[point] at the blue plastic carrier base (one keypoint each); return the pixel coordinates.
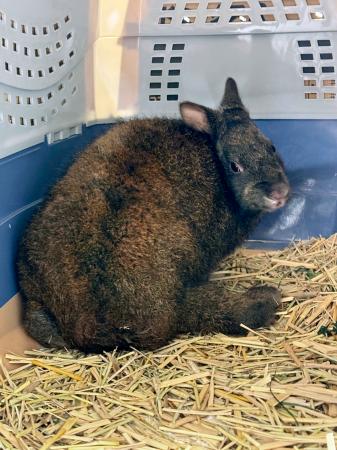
(308, 147)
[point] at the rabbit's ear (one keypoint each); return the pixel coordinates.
(231, 98)
(198, 117)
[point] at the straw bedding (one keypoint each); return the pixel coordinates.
(274, 389)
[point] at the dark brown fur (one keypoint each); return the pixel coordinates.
(121, 252)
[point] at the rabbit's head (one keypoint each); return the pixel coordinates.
(253, 169)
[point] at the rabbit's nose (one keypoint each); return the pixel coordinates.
(280, 191)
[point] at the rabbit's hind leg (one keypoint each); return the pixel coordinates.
(41, 325)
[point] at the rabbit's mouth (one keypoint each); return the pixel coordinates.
(272, 204)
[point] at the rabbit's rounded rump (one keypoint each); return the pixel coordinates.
(121, 251)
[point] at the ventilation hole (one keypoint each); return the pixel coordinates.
(307, 56)
(191, 6)
(158, 59)
(26, 51)
(22, 121)
(154, 98)
(159, 47)
(212, 19)
(71, 54)
(39, 100)
(29, 100)
(213, 5)
(61, 62)
(4, 42)
(324, 42)
(66, 19)
(56, 26)
(266, 4)
(156, 73)
(289, 2)
(15, 47)
(239, 5)
(6, 97)
(34, 31)
(18, 71)
(155, 85)
(188, 19)
(50, 95)
(165, 20)
(64, 101)
(328, 69)
(330, 95)
(74, 89)
(308, 69)
(329, 82)
(70, 75)
(37, 52)
(268, 17)
(51, 69)
(58, 45)
(40, 73)
(176, 59)
(32, 122)
(45, 30)
(69, 35)
(240, 19)
(178, 46)
(14, 24)
(8, 67)
(173, 85)
(309, 82)
(313, 2)
(292, 16)
(48, 50)
(18, 100)
(60, 87)
(2, 16)
(10, 119)
(24, 29)
(317, 15)
(174, 72)
(172, 97)
(310, 95)
(169, 7)
(326, 55)
(304, 43)
(53, 111)
(29, 73)
(43, 119)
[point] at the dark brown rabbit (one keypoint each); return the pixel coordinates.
(121, 252)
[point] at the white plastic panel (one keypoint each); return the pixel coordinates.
(44, 80)
(209, 17)
(279, 75)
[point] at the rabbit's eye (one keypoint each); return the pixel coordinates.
(235, 167)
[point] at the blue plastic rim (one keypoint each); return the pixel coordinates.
(308, 148)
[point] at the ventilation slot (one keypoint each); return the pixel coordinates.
(212, 19)
(213, 5)
(318, 15)
(310, 95)
(169, 7)
(240, 19)
(190, 19)
(330, 95)
(191, 6)
(310, 83)
(239, 5)
(165, 20)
